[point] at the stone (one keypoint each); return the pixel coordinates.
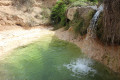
(71, 12)
(83, 11)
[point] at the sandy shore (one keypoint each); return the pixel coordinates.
(18, 36)
(11, 39)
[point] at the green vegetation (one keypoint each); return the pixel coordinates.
(78, 3)
(81, 23)
(59, 19)
(58, 13)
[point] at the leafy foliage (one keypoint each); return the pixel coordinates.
(58, 13)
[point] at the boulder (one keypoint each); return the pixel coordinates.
(86, 12)
(80, 18)
(71, 12)
(83, 12)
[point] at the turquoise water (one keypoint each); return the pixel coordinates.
(52, 59)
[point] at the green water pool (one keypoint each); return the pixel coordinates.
(52, 59)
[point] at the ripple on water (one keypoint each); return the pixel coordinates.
(81, 67)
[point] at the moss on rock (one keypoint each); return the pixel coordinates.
(81, 20)
(59, 17)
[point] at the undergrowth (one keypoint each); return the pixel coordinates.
(58, 16)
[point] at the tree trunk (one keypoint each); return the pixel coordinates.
(112, 21)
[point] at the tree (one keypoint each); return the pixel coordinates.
(112, 21)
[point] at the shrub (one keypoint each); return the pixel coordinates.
(58, 16)
(78, 3)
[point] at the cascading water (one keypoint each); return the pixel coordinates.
(91, 31)
(92, 27)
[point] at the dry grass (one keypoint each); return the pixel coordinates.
(23, 3)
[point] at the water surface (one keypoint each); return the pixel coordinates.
(52, 59)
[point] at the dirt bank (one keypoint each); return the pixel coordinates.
(108, 55)
(13, 24)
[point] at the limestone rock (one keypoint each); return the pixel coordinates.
(71, 12)
(83, 11)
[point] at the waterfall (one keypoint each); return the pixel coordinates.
(92, 27)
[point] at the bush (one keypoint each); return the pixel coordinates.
(78, 3)
(58, 16)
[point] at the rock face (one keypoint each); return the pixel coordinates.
(25, 12)
(83, 12)
(5, 3)
(48, 3)
(80, 18)
(71, 12)
(9, 20)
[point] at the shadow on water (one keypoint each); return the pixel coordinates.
(52, 59)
